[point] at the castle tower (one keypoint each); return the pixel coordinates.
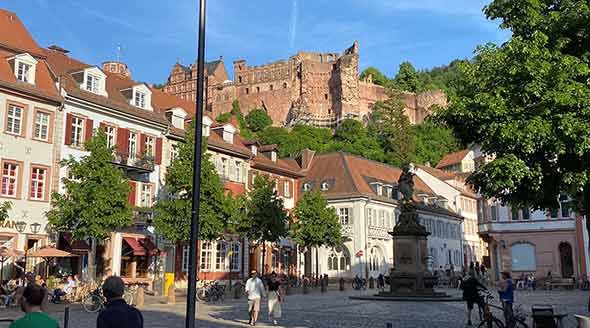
(116, 67)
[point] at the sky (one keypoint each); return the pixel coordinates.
(153, 35)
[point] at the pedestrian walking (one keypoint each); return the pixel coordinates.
(255, 290)
(471, 287)
(381, 282)
(30, 302)
(506, 291)
(275, 298)
(117, 314)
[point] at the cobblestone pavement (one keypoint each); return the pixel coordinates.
(333, 309)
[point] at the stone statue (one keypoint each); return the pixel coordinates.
(406, 183)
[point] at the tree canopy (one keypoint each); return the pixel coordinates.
(407, 78)
(432, 142)
(376, 75)
(526, 102)
(258, 120)
(173, 213)
(95, 201)
(4, 208)
(317, 223)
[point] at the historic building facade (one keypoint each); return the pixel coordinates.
(29, 152)
(318, 89)
(365, 196)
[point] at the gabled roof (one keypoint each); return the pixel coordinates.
(446, 177)
(14, 34)
(211, 66)
(266, 148)
(453, 158)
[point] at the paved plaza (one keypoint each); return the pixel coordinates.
(332, 309)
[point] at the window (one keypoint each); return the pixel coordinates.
(92, 83)
(258, 89)
(77, 131)
(149, 146)
(234, 257)
(247, 91)
(38, 182)
(523, 257)
(271, 87)
(370, 217)
(381, 218)
(111, 135)
(139, 99)
(238, 170)
(185, 255)
(223, 168)
(220, 256)
(273, 156)
(14, 119)
(514, 214)
(284, 85)
(9, 179)
(146, 195)
(344, 214)
(42, 126)
(132, 145)
(206, 256)
(287, 188)
(24, 72)
(324, 186)
(325, 96)
(306, 186)
(379, 190)
(494, 210)
(565, 207)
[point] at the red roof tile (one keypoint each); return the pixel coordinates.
(14, 34)
(453, 158)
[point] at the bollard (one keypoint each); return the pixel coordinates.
(389, 325)
(171, 295)
(371, 283)
(139, 298)
(341, 283)
(238, 290)
(67, 316)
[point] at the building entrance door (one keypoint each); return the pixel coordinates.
(567, 262)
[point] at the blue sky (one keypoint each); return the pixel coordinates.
(156, 34)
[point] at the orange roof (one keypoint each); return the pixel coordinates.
(14, 34)
(453, 158)
(440, 174)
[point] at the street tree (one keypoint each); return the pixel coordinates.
(95, 201)
(266, 218)
(527, 103)
(172, 216)
(316, 224)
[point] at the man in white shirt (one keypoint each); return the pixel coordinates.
(256, 291)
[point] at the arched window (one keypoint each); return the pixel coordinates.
(523, 257)
(374, 259)
(339, 260)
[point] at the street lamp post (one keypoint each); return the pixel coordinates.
(20, 227)
(194, 237)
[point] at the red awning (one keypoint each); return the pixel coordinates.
(138, 250)
(150, 247)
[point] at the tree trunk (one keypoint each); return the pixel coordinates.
(263, 258)
(317, 266)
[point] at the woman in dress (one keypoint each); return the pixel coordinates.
(275, 297)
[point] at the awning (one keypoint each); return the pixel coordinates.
(50, 252)
(80, 247)
(150, 247)
(138, 250)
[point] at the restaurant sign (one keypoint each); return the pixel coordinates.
(8, 224)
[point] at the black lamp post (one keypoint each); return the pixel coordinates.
(194, 237)
(20, 227)
(35, 227)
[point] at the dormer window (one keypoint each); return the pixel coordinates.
(23, 72)
(273, 156)
(139, 99)
(307, 186)
(228, 133)
(24, 68)
(379, 190)
(324, 186)
(388, 191)
(92, 83)
(206, 126)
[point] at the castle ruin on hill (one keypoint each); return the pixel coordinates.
(318, 89)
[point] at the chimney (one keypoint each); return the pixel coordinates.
(58, 49)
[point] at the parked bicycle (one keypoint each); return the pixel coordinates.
(211, 292)
(518, 319)
(95, 301)
(358, 284)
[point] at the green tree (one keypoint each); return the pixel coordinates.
(223, 118)
(406, 78)
(376, 75)
(258, 120)
(392, 127)
(95, 201)
(266, 216)
(527, 103)
(349, 130)
(316, 224)
(352, 137)
(173, 213)
(4, 208)
(433, 141)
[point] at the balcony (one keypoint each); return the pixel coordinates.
(526, 226)
(346, 230)
(140, 163)
(143, 216)
(379, 232)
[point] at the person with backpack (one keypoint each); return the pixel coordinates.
(471, 287)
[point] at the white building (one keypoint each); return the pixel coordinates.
(365, 196)
(29, 121)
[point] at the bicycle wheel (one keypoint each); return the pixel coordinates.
(493, 323)
(202, 294)
(128, 297)
(92, 303)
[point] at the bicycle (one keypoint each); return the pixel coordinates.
(211, 292)
(490, 321)
(94, 302)
(360, 284)
(129, 295)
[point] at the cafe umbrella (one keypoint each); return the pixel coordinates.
(5, 254)
(49, 253)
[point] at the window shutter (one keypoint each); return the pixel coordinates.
(250, 178)
(232, 170)
(158, 159)
(89, 124)
(132, 193)
(142, 139)
(280, 187)
(68, 134)
(122, 141)
(244, 172)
